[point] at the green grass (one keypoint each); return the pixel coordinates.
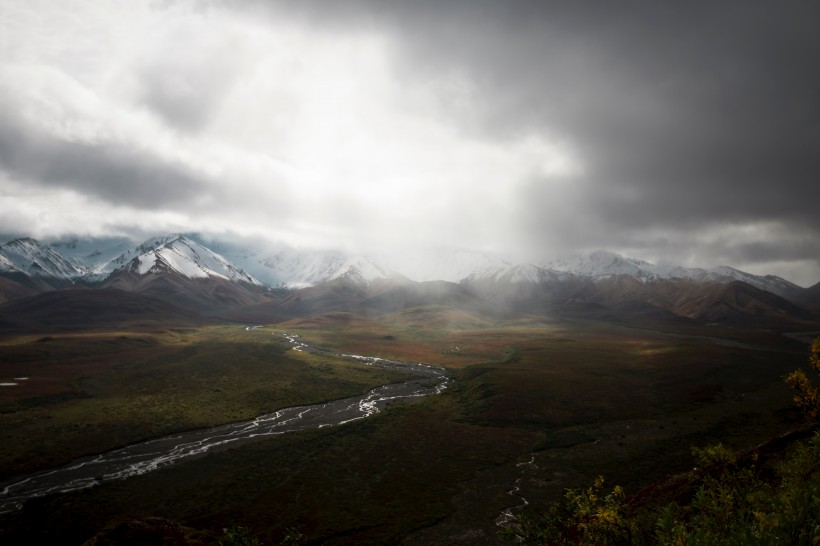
(101, 392)
(629, 401)
(367, 482)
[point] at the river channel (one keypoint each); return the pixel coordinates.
(143, 457)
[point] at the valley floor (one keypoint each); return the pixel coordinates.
(535, 404)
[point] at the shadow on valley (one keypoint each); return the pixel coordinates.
(545, 395)
(577, 398)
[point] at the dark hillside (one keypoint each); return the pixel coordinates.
(80, 308)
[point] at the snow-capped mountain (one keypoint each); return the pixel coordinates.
(283, 266)
(770, 283)
(37, 260)
(525, 273)
(96, 254)
(288, 267)
(191, 256)
(6, 264)
(178, 254)
(602, 264)
(293, 268)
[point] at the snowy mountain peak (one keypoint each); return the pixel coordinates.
(360, 270)
(176, 253)
(29, 256)
(532, 273)
(157, 242)
(602, 264)
(7, 265)
(93, 259)
(293, 268)
(519, 274)
(99, 255)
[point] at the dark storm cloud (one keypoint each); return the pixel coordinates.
(683, 114)
(115, 172)
(791, 250)
(687, 110)
(668, 129)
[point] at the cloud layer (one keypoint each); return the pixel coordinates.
(668, 132)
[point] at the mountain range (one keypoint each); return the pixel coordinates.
(230, 279)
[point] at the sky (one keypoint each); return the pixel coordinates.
(685, 133)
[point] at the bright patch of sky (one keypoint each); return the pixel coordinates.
(286, 130)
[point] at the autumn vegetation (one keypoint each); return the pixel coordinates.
(578, 398)
(766, 496)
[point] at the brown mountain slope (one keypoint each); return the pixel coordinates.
(11, 288)
(741, 303)
(626, 294)
(811, 297)
(82, 308)
(200, 294)
(620, 297)
(332, 297)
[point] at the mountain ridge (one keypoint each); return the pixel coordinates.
(188, 258)
(290, 267)
(184, 269)
(29, 256)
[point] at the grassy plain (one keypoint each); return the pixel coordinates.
(92, 392)
(545, 404)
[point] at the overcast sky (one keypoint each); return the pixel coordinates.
(673, 132)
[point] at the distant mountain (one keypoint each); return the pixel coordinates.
(186, 273)
(99, 255)
(19, 285)
(83, 308)
(28, 267)
(180, 255)
(35, 259)
(298, 269)
(810, 297)
(186, 270)
(375, 299)
(388, 297)
(7, 265)
(529, 288)
(335, 296)
(601, 264)
(288, 267)
(739, 302)
(282, 266)
(170, 266)
(605, 285)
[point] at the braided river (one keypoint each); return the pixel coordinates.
(144, 457)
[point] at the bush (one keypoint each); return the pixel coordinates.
(732, 504)
(733, 501)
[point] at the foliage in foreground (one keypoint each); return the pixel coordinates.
(734, 502)
(805, 393)
(728, 499)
